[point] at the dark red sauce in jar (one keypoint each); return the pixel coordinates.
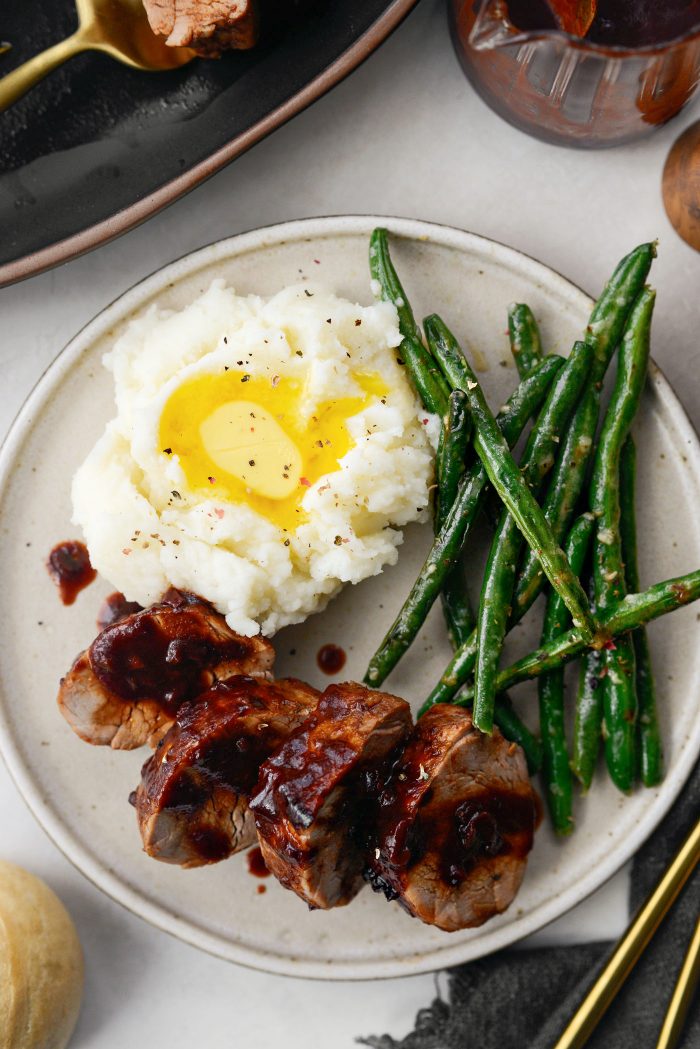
(331, 659)
(256, 863)
(115, 608)
(69, 566)
(625, 23)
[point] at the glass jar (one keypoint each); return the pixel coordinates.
(570, 91)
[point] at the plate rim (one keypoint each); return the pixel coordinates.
(140, 210)
(99, 873)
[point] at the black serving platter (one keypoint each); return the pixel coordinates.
(97, 147)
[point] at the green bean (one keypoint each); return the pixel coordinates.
(462, 664)
(619, 681)
(456, 434)
(609, 317)
(448, 353)
(507, 480)
(588, 718)
(499, 576)
(448, 545)
(434, 393)
(649, 735)
(562, 497)
(631, 612)
(525, 341)
(605, 327)
(425, 376)
(620, 713)
(556, 773)
(588, 715)
(517, 732)
(456, 606)
(389, 286)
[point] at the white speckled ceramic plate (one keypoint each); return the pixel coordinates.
(79, 793)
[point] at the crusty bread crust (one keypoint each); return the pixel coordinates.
(41, 964)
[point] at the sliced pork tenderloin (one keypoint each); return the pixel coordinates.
(315, 800)
(125, 690)
(456, 823)
(192, 802)
(207, 26)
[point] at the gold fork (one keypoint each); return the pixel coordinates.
(628, 951)
(119, 28)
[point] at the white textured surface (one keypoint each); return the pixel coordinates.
(392, 141)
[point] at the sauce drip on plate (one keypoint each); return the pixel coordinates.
(256, 864)
(114, 608)
(331, 659)
(69, 566)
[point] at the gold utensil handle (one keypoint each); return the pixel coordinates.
(631, 945)
(682, 995)
(20, 80)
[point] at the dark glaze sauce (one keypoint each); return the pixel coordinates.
(115, 608)
(462, 835)
(328, 759)
(210, 843)
(256, 863)
(164, 653)
(69, 566)
(331, 659)
(217, 745)
(294, 783)
(219, 741)
(493, 823)
(460, 832)
(626, 23)
(410, 787)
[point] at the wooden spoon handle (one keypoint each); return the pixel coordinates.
(20, 80)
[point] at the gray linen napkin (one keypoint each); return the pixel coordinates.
(523, 999)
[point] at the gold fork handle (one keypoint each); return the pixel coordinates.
(682, 996)
(20, 80)
(632, 945)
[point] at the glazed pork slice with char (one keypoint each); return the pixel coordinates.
(456, 823)
(207, 26)
(125, 690)
(192, 802)
(315, 800)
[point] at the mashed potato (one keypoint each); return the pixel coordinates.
(341, 454)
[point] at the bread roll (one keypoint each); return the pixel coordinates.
(41, 964)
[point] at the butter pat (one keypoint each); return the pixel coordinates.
(243, 439)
